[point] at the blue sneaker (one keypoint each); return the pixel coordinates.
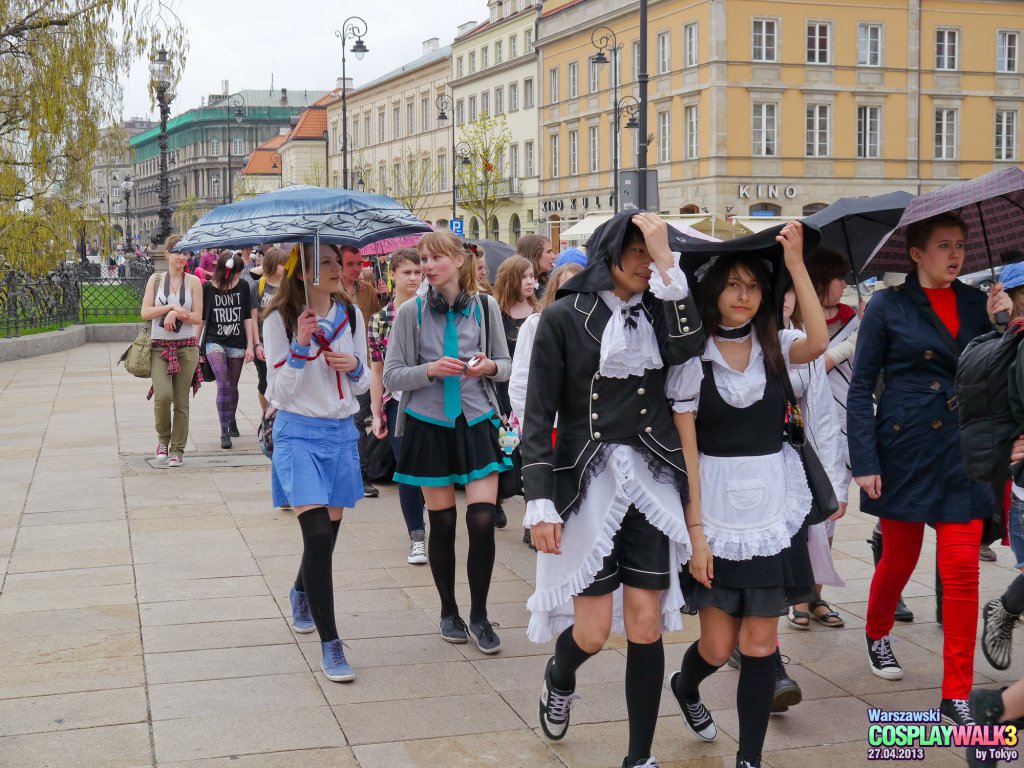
(302, 618)
(334, 664)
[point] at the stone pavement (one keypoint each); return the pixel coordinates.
(142, 619)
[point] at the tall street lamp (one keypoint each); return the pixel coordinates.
(160, 69)
(446, 104)
(642, 78)
(603, 38)
(327, 158)
(238, 103)
(126, 188)
(355, 27)
(357, 174)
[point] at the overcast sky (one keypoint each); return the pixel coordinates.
(294, 40)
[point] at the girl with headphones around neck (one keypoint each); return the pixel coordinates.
(446, 350)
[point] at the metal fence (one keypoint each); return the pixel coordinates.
(106, 297)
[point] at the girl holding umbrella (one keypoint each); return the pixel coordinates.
(907, 458)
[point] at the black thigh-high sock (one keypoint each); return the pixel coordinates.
(441, 554)
(568, 658)
(753, 702)
(335, 527)
(318, 543)
(1013, 597)
(645, 669)
(694, 670)
(480, 561)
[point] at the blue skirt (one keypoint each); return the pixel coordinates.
(316, 461)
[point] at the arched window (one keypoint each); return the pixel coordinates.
(474, 229)
(441, 224)
(765, 209)
(515, 227)
(814, 208)
(691, 208)
(492, 228)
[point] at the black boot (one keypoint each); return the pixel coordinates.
(902, 612)
(787, 691)
(225, 440)
(233, 429)
(500, 518)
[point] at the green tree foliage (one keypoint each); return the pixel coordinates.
(483, 183)
(61, 65)
(187, 212)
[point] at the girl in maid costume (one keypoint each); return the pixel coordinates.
(316, 348)
(605, 504)
(747, 511)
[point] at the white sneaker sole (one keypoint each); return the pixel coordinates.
(339, 678)
(417, 560)
(303, 630)
(702, 736)
(887, 674)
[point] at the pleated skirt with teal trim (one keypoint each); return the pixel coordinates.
(436, 456)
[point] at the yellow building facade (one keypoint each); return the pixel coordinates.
(777, 108)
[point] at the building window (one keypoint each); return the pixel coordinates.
(499, 100)
(410, 118)
(664, 136)
(472, 62)
(513, 46)
(528, 39)
(236, 147)
(1007, 51)
(215, 146)
(485, 103)
(459, 69)
(215, 186)
(396, 123)
(868, 132)
(574, 90)
(528, 158)
(381, 120)
(869, 45)
(945, 134)
(499, 51)
(472, 109)
(817, 42)
(460, 112)
(513, 97)
(765, 40)
(1006, 134)
(946, 44)
(366, 130)
(337, 143)
(593, 76)
(425, 173)
(593, 144)
(355, 134)
(513, 161)
(442, 172)
(553, 86)
(812, 208)
(382, 179)
(574, 152)
(425, 115)
(664, 49)
(765, 209)
(528, 93)
(692, 147)
(690, 51)
(636, 61)
(554, 156)
(817, 130)
(764, 130)
(485, 56)
(617, 66)
(516, 226)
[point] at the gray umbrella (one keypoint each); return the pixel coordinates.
(494, 254)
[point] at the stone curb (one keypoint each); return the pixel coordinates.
(60, 341)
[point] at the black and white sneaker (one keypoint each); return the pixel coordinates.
(483, 633)
(642, 763)
(696, 716)
(956, 712)
(554, 706)
(453, 629)
(883, 662)
(997, 633)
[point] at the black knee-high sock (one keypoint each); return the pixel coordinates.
(645, 668)
(441, 554)
(1013, 597)
(335, 527)
(753, 702)
(480, 561)
(318, 543)
(568, 658)
(695, 670)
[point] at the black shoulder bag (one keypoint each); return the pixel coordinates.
(823, 494)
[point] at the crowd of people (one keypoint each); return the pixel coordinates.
(648, 413)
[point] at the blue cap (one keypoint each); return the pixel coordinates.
(571, 256)
(1012, 276)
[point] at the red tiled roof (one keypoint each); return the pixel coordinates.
(274, 142)
(312, 124)
(261, 162)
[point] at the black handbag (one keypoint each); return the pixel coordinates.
(204, 365)
(823, 495)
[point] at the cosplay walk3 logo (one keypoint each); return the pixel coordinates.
(909, 735)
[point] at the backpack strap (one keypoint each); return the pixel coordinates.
(350, 311)
(262, 286)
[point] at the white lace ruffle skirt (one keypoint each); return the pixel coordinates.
(587, 539)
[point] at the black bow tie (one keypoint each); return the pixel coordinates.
(630, 315)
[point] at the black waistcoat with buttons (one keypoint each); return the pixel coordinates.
(725, 430)
(593, 409)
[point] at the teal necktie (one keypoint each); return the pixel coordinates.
(452, 394)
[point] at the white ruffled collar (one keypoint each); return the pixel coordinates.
(629, 345)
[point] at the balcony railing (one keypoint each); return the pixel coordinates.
(497, 188)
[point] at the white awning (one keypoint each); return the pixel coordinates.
(760, 223)
(584, 228)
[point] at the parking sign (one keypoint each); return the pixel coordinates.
(458, 226)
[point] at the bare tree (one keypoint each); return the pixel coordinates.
(484, 185)
(414, 182)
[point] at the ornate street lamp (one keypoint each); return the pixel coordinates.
(161, 70)
(445, 104)
(355, 27)
(603, 38)
(357, 174)
(126, 189)
(238, 103)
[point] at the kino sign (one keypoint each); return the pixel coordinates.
(769, 191)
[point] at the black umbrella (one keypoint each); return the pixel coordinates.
(494, 253)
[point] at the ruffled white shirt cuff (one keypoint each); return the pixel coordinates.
(677, 290)
(540, 511)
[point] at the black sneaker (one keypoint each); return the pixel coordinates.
(233, 429)
(483, 633)
(453, 629)
(500, 518)
(554, 706)
(743, 763)
(902, 613)
(696, 716)
(787, 691)
(997, 633)
(641, 763)
(370, 490)
(956, 712)
(986, 706)
(225, 440)
(883, 662)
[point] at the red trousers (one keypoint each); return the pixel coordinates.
(957, 555)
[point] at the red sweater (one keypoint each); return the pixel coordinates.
(943, 301)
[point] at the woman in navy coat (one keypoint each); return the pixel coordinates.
(907, 458)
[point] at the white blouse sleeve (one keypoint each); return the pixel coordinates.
(677, 289)
(521, 366)
(682, 385)
(824, 431)
(540, 511)
(786, 339)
